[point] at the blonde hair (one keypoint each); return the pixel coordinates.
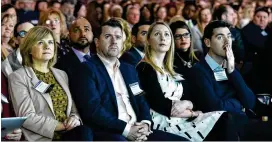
(63, 27)
(127, 31)
(32, 37)
(168, 60)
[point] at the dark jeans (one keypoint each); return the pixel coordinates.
(157, 135)
(80, 133)
(224, 129)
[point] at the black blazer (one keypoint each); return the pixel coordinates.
(154, 94)
(95, 98)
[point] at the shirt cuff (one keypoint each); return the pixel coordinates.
(149, 124)
(126, 130)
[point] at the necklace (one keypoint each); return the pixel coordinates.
(185, 63)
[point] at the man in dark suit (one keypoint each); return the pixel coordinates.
(135, 54)
(81, 37)
(107, 93)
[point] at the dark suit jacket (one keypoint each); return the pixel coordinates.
(131, 57)
(211, 95)
(154, 94)
(95, 98)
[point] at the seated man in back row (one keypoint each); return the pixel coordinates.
(108, 96)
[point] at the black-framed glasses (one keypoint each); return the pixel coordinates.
(179, 36)
(22, 34)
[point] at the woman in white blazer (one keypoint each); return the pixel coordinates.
(41, 93)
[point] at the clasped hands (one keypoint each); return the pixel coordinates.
(139, 132)
(68, 124)
(183, 109)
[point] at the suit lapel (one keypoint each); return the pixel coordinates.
(34, 81)
(135, 52)
(64, 86)
(101, 67)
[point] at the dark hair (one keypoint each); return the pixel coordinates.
(77, 7)
(187, 4)
(68, 1)
(112, 23)
(53, 2)
(263, 9)
(15, 32)
(135, 28)
(5, 7)
(208, 31)
(218, 12)
(142, 18)
(180, 24)
(37, 4)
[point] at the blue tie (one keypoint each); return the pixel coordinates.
(87, 57)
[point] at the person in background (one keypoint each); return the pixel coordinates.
(145, 14)
(68, 8)
(80, 10)
(136, 53)
(133, 15)
(9, 9)
(7, 27)
(161, 14)
(188, 13)
(166, 92)
(50, 111)
(14, 61)
(26, 12)
(55, 20)
(226, 13)
(41, 5)
(204, 18)
(54, 4)
(185, 57)
(106, 98)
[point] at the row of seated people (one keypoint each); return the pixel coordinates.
(102, 98)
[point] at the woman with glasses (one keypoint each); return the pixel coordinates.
(185, 56)
(41, 93)
(55, 20)
(167, 94)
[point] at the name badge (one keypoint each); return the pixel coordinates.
(264, 33)
(135, 88)
(220, 75)
(43, 87)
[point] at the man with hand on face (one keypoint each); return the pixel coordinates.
(218, 85)
(108, 96)
(81, 36)
(135, 54)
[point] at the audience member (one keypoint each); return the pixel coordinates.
(54, 4)
(55, 20)
(14, 61)
(185, 56)
(80, 10)
(133, 15)
(188, 14)
(225, 13)
(41, 5)
(145, 13)
(81, 37)
(26, 12)
(10, 10)
(7, 27)
(136, 53)
(108, 95)
(203, 19)
(67, 8)
(164, 89)
(41, 93)
(161, 14)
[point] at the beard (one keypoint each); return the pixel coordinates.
(77, 45)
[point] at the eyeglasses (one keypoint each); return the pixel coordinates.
(55, 21)
(22, 34)
(179, 36)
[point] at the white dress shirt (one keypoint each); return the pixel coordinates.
(125, 110)
(80, 55)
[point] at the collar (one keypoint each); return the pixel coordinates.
(80, 55)
(109, 64)
(213, 64)
(19, 56)
(142, 54)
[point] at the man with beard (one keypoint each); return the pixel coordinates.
(81, 36)
(135, 54)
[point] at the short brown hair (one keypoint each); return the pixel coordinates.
(32, 37)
